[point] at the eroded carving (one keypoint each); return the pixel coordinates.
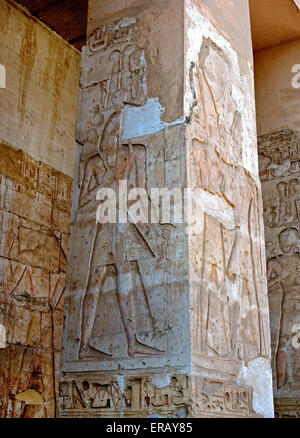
(279, 163)
(118, 249)
(220, 398)
(130, 293)
(137, 396)
(122, 257)
(229, 243)
(287, 408)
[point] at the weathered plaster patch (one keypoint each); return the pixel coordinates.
(2, 76)
(145, 120)
(126, 21)
(161, 381)
(216, 207)
(2, 336)
(258, 374)
(121, 383)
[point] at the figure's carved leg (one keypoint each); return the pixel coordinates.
(127, 308)
(281, 364)
(95, 283)
(282, 356)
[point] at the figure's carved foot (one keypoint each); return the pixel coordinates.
(138, 348)
(87, 352)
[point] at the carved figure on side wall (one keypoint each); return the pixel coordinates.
(284, 271)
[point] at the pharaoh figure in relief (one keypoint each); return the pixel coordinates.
(230, 222)
(120, 254)
(280, 172)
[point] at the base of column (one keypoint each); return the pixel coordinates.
(162, 395)
(287, 408)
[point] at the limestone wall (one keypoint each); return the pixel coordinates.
(278, 120)
(35, 206)
(38, 101)
(38, 106)
(277, 101)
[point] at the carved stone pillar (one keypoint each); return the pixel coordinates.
(165, 318)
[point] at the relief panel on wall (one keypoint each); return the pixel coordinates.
(279, 156)
(231, 322)
(136, 396)
(123, 280)
(35, 206)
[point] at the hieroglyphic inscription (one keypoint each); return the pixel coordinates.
(138, 396)
(287, 408)
(220, 398)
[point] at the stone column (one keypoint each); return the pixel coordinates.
(169, 317)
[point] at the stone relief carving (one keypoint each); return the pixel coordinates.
(131, 286)
(230, 227)
(121, 257)
(118, 249)
(287, 408)
(35, 205)
(215, 110)
(139, 396)
(279, 167)
(225, 399)
(116, 67)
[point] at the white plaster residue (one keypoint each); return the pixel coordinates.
(297, 3)
(2, 76)
(144, 63)
(161, 381)
(234, 291)
(145, 120)
(109, 285)
(199, 27)
(121, 383)
(126, 21)
(258, 375)
(2, 336)
(125, 280)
